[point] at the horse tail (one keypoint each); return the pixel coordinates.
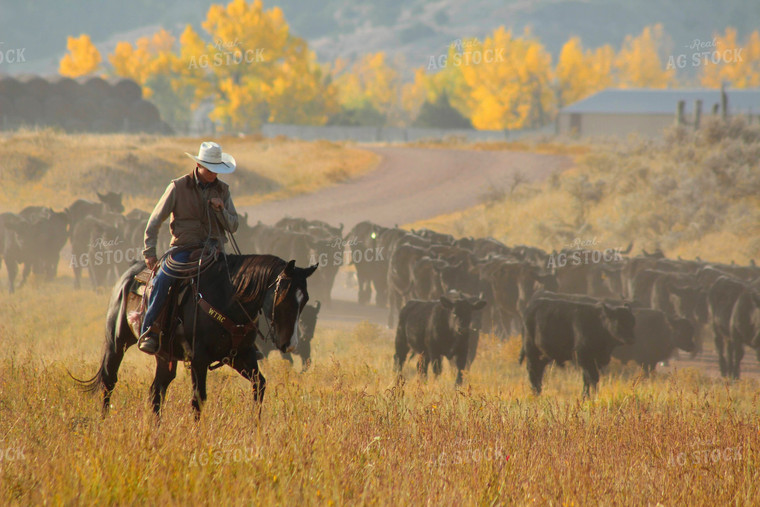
(116, 340)
(91, 385)
(99, 381)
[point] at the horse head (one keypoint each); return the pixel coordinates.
(288, 300)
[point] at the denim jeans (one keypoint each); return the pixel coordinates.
(161, 283)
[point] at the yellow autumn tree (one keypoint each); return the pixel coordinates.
(150, 56)
(254, 59)
(581, 73)
(188, 78)
(738, 64)
(372, 81)
(638, 62)
(248, 64)
(514, 91)
(164, 73)
(447, 80)
(301, 93)
(82, 58)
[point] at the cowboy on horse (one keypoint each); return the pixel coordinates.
(201, 211)
(217, 315)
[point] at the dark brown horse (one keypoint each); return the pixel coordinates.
(241, 289)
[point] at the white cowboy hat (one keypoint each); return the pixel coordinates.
(211, 157)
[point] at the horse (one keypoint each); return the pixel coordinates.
(218, 317)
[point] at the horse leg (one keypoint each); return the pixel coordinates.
(108, 375)
(165, 373)
(199, 372)
(248, 366)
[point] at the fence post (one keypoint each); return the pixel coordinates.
(680, 113)
(697, 113)
(723, 101)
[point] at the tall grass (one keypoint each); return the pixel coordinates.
(348, 431)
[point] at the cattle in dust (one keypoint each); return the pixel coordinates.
(560, 330)
(434, 330)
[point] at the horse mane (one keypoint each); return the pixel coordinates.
(252, 274)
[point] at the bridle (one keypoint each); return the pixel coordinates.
(270, 333)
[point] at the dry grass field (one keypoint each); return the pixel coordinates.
(346, 432)
(50, 168)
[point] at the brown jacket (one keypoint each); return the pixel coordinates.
(188, 205)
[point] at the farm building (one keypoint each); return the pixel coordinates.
(619, 112)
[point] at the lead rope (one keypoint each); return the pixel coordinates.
(196, 293)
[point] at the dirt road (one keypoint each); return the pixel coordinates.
(409, 184)
(412, 184)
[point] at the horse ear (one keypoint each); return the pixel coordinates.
(310, 270)
(289, 268)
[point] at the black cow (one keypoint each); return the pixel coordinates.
(293, 245)
(680, 294)
(259, 239)
(307, 323)
(425, 280)
(434, 237)
(735, 311)
(483, 247)
(657, 336)
(363, 237)
(10, 247)
(435, 329)
(41, 239)
(632, 267)
(512, 286)
(400, 278)
(94, 246)
(109, 202)
(561, 330)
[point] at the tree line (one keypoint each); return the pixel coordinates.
(250, 69)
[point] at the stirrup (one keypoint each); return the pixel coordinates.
(151, 336)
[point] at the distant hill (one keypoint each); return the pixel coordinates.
(415, 29)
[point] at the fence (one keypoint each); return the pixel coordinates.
(391, 134)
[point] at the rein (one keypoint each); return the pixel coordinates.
(239, 331)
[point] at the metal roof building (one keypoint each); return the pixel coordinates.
(619, 112)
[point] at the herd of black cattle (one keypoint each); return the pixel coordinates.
(441, 292)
